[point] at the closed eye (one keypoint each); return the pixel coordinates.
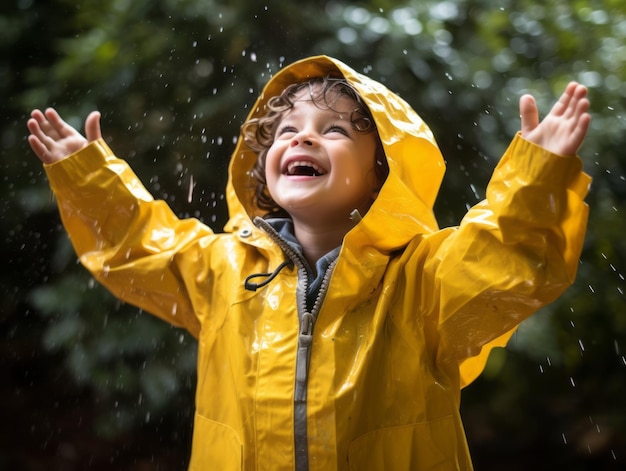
(339, 129)
(286, 130)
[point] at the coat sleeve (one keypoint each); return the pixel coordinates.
(126, 239)
(513, 253)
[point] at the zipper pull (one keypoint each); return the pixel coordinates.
(306, 324)
(305, 339)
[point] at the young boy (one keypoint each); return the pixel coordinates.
(336, 322)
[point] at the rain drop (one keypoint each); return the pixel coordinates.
(190, 192)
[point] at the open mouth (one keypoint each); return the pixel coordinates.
(304, 168)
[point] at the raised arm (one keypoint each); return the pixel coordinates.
(134, 245)
(518, 249)
(52, 139)
(563, 130)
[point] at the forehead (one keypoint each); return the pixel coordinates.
(312, 100)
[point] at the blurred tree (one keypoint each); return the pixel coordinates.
(94, 383)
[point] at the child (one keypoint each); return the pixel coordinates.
(336, 323)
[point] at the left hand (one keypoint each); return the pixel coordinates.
(563, 130)
(52, 139)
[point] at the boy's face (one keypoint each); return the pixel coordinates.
(319, 167)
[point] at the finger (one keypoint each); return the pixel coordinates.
(58, 124)
(578, 134)
(581, 111)
(40, 124)
(92, 126)
(35, 126)
(37, 115)
(565, 101)
(42, 127)
(579, 118)
(529, 113)
(580, 100)
(578, 90)
(578, 104)
(40, 143)
(38, 148)
(577, 137)
(579, 97)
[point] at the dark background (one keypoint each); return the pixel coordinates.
(89, 383)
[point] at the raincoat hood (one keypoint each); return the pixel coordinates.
(416, 166)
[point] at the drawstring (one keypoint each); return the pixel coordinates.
(251, 286)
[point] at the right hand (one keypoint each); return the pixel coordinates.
(52, 139)
(563, 130)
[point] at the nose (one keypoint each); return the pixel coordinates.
(302, 138)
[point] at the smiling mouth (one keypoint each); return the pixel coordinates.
(304, 168)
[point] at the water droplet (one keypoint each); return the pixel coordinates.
(191, 187)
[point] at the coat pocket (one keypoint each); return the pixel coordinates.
(215, 446)
(425, 446)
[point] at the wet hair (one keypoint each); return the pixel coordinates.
(259, 133)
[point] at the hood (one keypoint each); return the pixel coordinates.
(404, 207)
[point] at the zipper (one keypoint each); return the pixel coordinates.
(305, 337)
(305, 341)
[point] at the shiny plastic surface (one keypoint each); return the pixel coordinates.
(410, 316)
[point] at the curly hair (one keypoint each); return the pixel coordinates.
(259, 133)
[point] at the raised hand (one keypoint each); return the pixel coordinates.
(563, 130)
(52, 139)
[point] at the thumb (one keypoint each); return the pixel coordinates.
(92, 126)
(529, 113)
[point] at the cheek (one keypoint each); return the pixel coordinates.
(272, 165)
(271, 160)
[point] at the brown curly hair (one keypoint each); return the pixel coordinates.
(259, 133)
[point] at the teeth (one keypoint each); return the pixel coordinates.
(303, 167)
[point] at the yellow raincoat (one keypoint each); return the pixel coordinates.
(409, 314)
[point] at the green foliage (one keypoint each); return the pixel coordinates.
(175, 79)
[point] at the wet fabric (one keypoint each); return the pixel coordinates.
(409, 316)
